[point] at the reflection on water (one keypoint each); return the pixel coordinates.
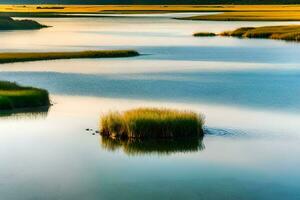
(28, 113)
(151, 146)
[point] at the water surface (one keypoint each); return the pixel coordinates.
(248, 91)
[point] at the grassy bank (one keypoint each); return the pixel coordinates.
(152, 123)
(7, 23)
(22, 57)
(288, 33)
(14, 96)
(274, 15)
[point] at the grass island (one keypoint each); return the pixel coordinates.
(285, 32)
(38, 56)
(151, 123)
(8, 23)
(14, 96)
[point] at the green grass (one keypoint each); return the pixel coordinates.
(204, 34)
(22, 57)
(14, 96)
(7, 23)
(287, 32)
(152, 123)
(153, 146)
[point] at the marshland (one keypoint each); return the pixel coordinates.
(246, 90)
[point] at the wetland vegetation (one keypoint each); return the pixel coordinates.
(14, 96)
(152, 123)
(37, 56)
(8, 23)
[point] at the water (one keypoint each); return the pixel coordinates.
(248, 91)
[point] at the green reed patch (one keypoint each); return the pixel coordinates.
(14, 96)
(8, 23)
(23, 57)
(152, 123)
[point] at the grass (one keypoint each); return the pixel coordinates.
(268, 15)
(152, 123)
(204, 34)
(22, 57)
(7, 23)
(153, 146)
(287, 32)
(14, 96)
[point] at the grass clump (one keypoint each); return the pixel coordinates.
(152, 123)
(7, 23)
(287, 32)
(23, 57)
(204, 34)
(14, 96)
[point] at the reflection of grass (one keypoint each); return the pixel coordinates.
(22, 57)
(153, 146)
(288, 32)
(14, 96)
(152, 123)
(204, 34)
(7, 23)
(268, 15)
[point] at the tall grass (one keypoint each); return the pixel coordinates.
(152, 123)
(287, 32)
(22, 57)
(7, 23)
(14, 96)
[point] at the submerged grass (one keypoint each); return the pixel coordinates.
(287, 32)
(152, 123)
(22, 57)
(7, 23)
(14, 96)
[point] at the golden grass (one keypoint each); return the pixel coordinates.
(22, 57)
(269, 15)
(288, 32)
(151, 123)
(172, 8)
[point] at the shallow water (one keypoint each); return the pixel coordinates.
(248, 91)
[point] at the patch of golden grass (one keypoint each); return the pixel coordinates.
(270, 15)
(22, 57)
(288, 32)
(151, 123)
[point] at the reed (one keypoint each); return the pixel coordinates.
(152, 123)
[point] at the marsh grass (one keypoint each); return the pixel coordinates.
(287, 32)
(7, 23)
(152, 123)
(22, 57)
(14, 96)
(204, 34)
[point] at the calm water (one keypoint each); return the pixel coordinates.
(248, 90)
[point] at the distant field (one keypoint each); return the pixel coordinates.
(144, 8)
(231, 12)
(251, 16)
